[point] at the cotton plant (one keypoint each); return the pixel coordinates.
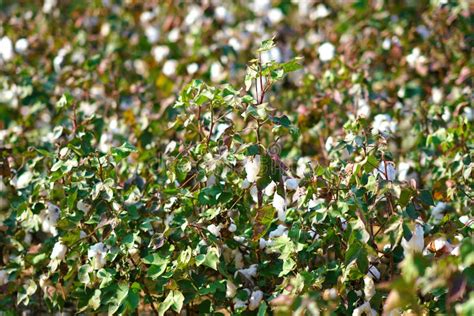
(167, 173)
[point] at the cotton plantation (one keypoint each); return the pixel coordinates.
(270, 157)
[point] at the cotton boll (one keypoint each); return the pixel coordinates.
(386, 44)
(260, 7)
(83, 206)
(215, 230)
(22, 181)
(169, 68)
(193, 15)
(466, 220)
(59, 251)
(239, 304)
(384, 125)
(231, 289)
(254, 193)
(274, 54)
(238, 259)
(364, 309)
(160, 52)
(152, 33)
(232, 228)
(416, 243)
(262, 243)
(369, 288)
(386, 170)
(245, 184)
(279, 204)
(97, 254)
(437, 213)
(469, 113)
(255, 299)
(363, 108)
(49, 219)
(249, 273)
(291, 184)
(218, 72)
(374, 272)
(21, 45)
(270, 189)
(326, 52)
(279, 231)
(3, 277)
(437, 95)
(275, 15)
(252, 168)
(320, 12)
(403, 168)
(49, 5)
(192, 68)
(173, 35)
(446, 116)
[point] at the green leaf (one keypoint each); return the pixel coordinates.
(266, 45)
(167, 303)
(210, 259)
(94, 301)
(426, 197)
(65, 101)
(123, 151)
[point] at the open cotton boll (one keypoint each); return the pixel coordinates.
(255, 299)
(249, 273)
(262, 243)
(275, 15)
(386, 170)
(437, 95)
(192, 68)
(363, 108)
(279, 231)
(96, 254)
(160, 52)
(291, 184)
(21, 45)
(252, 168)
(384, 125)
(270, 189)
(374, 272)
(320, 12)
(231, 289)
(437, 213)
(59, 251)
(152, 33)
(369, 288)
(22, 181)
(416, 243)
(218, 72)
(254, 193)
(49, 218)
(169, 67)
(232, 227)
(364, 309)
(245, 184)
(3, 277)
(239, 304)
(214, 229)
(326, 51)
(279, 204)
(6, 48)
(274, 54)
(238, 259)
(82, 206)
